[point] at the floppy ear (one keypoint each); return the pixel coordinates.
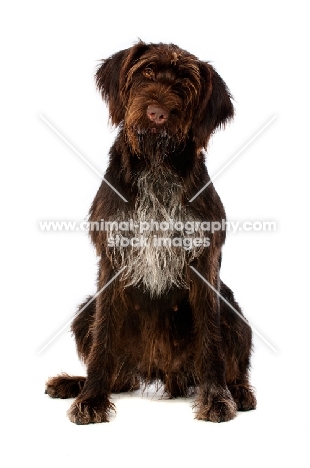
(110, 77)
(215, 108)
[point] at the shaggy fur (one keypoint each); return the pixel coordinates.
(158, 321)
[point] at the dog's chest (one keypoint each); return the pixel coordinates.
(158, 238)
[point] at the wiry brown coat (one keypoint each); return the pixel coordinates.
(159, 320)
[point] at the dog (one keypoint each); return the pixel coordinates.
(161, 313)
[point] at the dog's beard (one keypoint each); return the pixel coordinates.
(154, 143)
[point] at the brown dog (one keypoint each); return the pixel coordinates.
(158, 320)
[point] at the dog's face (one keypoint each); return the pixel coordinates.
(162, 94)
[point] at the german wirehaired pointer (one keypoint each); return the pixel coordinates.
(158, 320)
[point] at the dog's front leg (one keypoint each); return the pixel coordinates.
(215, 402)
(93, 404)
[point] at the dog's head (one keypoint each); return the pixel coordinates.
(161, 92)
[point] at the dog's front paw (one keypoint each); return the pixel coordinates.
(220, 409)
(86, 412)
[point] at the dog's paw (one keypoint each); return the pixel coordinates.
(220, 409)
(85, 412)
(64, 386)
(244, 397)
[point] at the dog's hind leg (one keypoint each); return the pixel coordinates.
(65, 386)
(82, 327)
(237, 345)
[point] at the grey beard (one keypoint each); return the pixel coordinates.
(156, 147)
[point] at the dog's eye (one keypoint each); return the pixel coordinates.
(148, 72)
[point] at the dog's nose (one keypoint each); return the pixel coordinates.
(157, 114)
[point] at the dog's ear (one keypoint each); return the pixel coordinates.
(110, 76)
(215, 105)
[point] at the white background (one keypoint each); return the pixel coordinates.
(49, 51)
